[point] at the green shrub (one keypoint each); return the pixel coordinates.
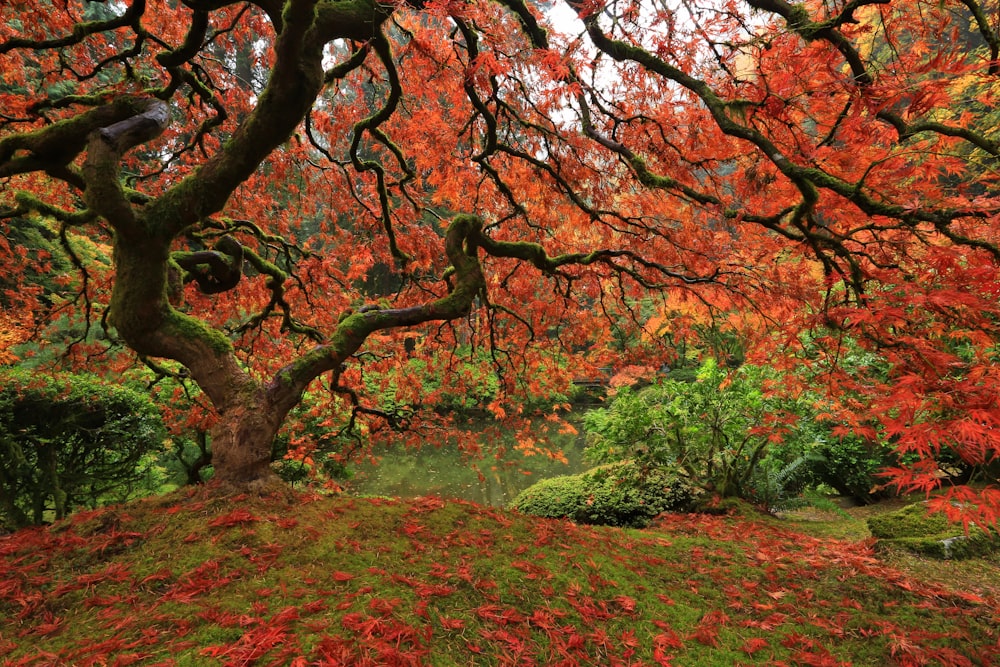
(729, 431)
(552, 498)
(717, 430)
(71, 440)
(611, 495)
(851, 465)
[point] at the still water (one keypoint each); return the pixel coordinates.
(488, 480)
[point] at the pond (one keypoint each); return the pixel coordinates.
(488, 480)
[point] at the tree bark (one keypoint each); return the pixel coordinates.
(242, 443)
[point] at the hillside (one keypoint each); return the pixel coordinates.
(192, 579)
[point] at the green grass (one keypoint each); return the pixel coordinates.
(193, 579)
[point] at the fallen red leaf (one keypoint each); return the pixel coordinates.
(234, 518)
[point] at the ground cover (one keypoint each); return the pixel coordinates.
(192, 579)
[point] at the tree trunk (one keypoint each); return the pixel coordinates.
(203, 460)
(242, 444)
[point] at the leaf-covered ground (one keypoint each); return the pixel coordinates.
(199, 580)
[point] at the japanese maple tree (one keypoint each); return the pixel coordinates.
(288, 186)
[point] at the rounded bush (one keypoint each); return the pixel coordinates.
(851, 465)
(613, 495)
(552, 498)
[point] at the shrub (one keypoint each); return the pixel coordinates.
(716, 431)
(611, 495)
(69, 441)
(552, 498)
(851, 465)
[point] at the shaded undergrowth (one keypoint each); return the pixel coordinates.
(200, 580)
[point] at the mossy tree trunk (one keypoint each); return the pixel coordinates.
(250, 411)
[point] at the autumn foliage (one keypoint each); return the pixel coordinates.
(303, 195)
(12, 333)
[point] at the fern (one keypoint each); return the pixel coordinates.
(779, 489)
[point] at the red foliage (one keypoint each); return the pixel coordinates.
(238, 517)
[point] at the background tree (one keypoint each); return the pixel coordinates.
(521, 182)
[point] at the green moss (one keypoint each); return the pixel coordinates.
(33, 203)
(911, 521)
(185, 326)
(266, 581)
(648, 177)
(913, 529)
(263, 266)
(960, 546)
(140, 302)
(798, 18)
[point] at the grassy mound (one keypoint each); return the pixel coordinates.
(913, 529)
(202, 580)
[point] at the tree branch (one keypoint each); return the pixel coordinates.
(217, 270)
(461, 247)
(105, 148)
(55, 146)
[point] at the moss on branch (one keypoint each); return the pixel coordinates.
(29, 202)
(59, 143)
(189, 328)
(296, 80)
(80, 31)
(105, 147)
